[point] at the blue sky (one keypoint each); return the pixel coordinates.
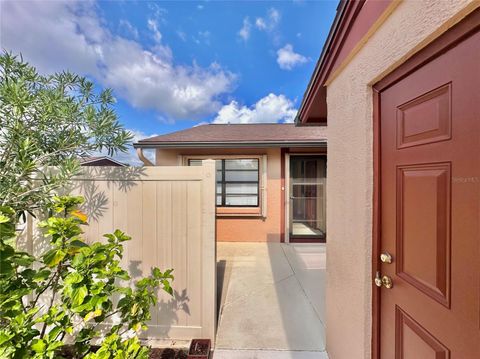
(173, 65)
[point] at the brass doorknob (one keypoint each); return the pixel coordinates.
(384, 281)
(387, 282)
(386, 257)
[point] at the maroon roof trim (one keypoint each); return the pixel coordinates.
(340, 41)
(330, 50)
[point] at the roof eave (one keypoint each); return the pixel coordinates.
(319, 67)
(231, 144)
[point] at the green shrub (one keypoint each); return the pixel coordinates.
(71, 291)
(49, 121)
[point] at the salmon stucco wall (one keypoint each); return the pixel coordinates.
(410, 26)
(242, 228)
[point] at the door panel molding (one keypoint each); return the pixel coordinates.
(408, 329)
(425, 119)
(419, 186)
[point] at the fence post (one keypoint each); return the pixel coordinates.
(209, 248)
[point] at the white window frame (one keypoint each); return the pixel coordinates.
(257, 211)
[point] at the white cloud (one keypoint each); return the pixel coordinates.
(274, 15)
(205, 36)
(128, 28)
(244, 32)
(261, 24)
(140, 135)
(202, 37)
(201, 123)
(270, 109)
(71, 36)
(130, 157)
(53, 42)
(158, 12)
(182, 35)
(153, 26)
(287, 59)
(148, 81)
(269, 22)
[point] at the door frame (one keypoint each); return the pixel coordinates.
(467, 26)
(286, 197)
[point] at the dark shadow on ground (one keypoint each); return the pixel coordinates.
(221, 270)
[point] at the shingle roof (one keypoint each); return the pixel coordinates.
(100, 160)
(239, 134)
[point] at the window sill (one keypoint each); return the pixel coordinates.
(239, 212)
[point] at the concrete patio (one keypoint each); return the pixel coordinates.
(271, 301)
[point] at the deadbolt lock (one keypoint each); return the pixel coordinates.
(385, 257)
(384, 281)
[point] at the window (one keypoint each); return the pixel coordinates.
(237, 181)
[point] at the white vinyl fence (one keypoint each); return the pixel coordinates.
(170, 214)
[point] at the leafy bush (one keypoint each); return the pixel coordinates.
(71, 291)
(49, 120)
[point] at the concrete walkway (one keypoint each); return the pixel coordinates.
(271, 299)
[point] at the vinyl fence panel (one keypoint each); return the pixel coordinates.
(170, 214)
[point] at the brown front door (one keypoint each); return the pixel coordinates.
(429, 126)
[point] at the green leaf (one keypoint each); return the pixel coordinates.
(122, 237)
(6, 252)
(38, 345)
(125, 301)
(28, 273)
(78, 295)
(54, 346)
(123, 275)
(99, 257)
(73, 278)
(94, 314)
(166, 287)
(127, 291)
(78, 243)
(22, 259)
(41, 275)
(4, 336)
(168, 274)
(78, 259)
(157, 273)
(4, 219)
(52, 335)
(53, 257)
